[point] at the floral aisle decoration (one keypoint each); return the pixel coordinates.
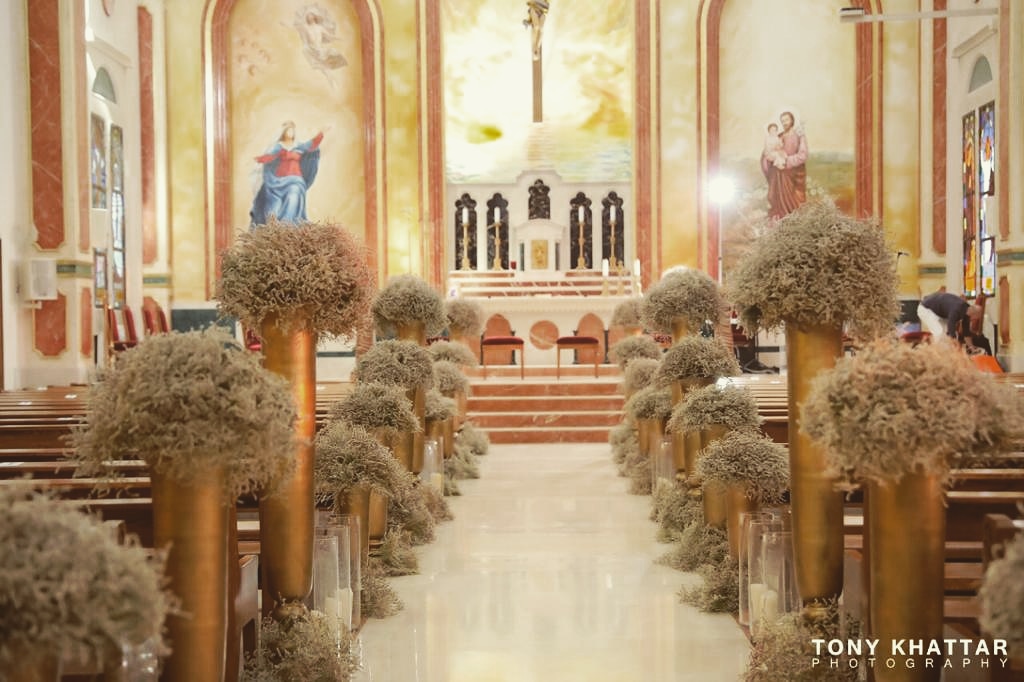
(632, 348)
(465, 318)
(784, 650)
(407, 302)
(294, 285)
(896, 419)
(650, 407)
(1002, 597)
(69, 590)
(682, 302)
(696, 358)
(211, 424)
(376, 406)
(628, 314)
(452, 352)
(639, 374)
(819, 274)
(732, 407)
(307, 648)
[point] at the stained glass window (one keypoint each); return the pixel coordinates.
(986, 195)
(970, 205)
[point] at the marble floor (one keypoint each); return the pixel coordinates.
(547, 574)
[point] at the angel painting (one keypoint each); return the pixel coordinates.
(318, 32)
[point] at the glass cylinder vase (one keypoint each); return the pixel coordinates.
(757, 531)
(746, 519)
(433, 466)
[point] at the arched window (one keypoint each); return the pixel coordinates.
(981, 74)
(104, 87)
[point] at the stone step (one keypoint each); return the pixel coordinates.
(481, 389)
(579, 434)
(492, 420)
(540, 404)
(545, 372)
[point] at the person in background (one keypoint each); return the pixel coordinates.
(947, 315)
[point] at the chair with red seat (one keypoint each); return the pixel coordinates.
(114, 342)
(512, 343)
(129, 326)
(575, 343)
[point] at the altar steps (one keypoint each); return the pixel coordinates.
(545, 410)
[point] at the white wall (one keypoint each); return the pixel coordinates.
(15, 226)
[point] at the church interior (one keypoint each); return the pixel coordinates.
(605, 340)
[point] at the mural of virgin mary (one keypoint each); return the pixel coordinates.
(289, 170)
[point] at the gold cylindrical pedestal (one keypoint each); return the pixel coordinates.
(643, 434)
(412, 451)
(655, 432)
(736, 502)
(287, 516)
(691, 451)
(357, 503)
(713, 499)
(417, 333)
(817, 506)
(192, 521)
(632, 330)
(378, 519)
(461, 403)
(679, 443)
(448, 427)
(33, 668)
(906, 557)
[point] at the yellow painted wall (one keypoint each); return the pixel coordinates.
(678, 133)
(404, 178)
(185, 145)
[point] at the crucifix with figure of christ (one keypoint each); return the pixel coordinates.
(537, 11)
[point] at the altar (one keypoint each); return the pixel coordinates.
(541, 305)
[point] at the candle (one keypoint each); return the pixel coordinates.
(345, 606)
(604, 267)
(613, 213)
(497, 215)
(755, 595)
(465, 216)
(636, 267)
(581, 215)
(770, 606)
(437, 481)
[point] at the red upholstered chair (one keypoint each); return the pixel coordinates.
(149, 324)
(129, 326)
(575, 343)
(114, 341)
(506, 342)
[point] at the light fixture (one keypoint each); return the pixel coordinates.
(721, 190)
(857, 15)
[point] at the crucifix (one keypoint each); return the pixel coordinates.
(536, 12)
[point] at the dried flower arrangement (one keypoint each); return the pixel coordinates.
(348, 456)
(696, 545)
(749, 459)
(452, 352)
(720, 591)
(893, 409)
(67, 588)
(409, 512)
(623, 440)
(636, 466)
(396, 555)
(650, 403)
(376, 406)
(733, 407)
(462, 463)
(306, 648)
(783, 650)
(628, 313)
(639, 374)
(696, 357)
(397, 363)
(477, 440)
(682, 294)
(186, 403)
(437, 406)
(448, 378)
(818, 267)
(674, 509)
(436, 504)
(405, 300)
(632, 348)
(378, 598)
(1002, 596)
(312, 274)
(465, 318)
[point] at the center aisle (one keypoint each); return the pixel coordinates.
(547, 574)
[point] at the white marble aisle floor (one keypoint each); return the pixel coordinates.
(546, 574)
